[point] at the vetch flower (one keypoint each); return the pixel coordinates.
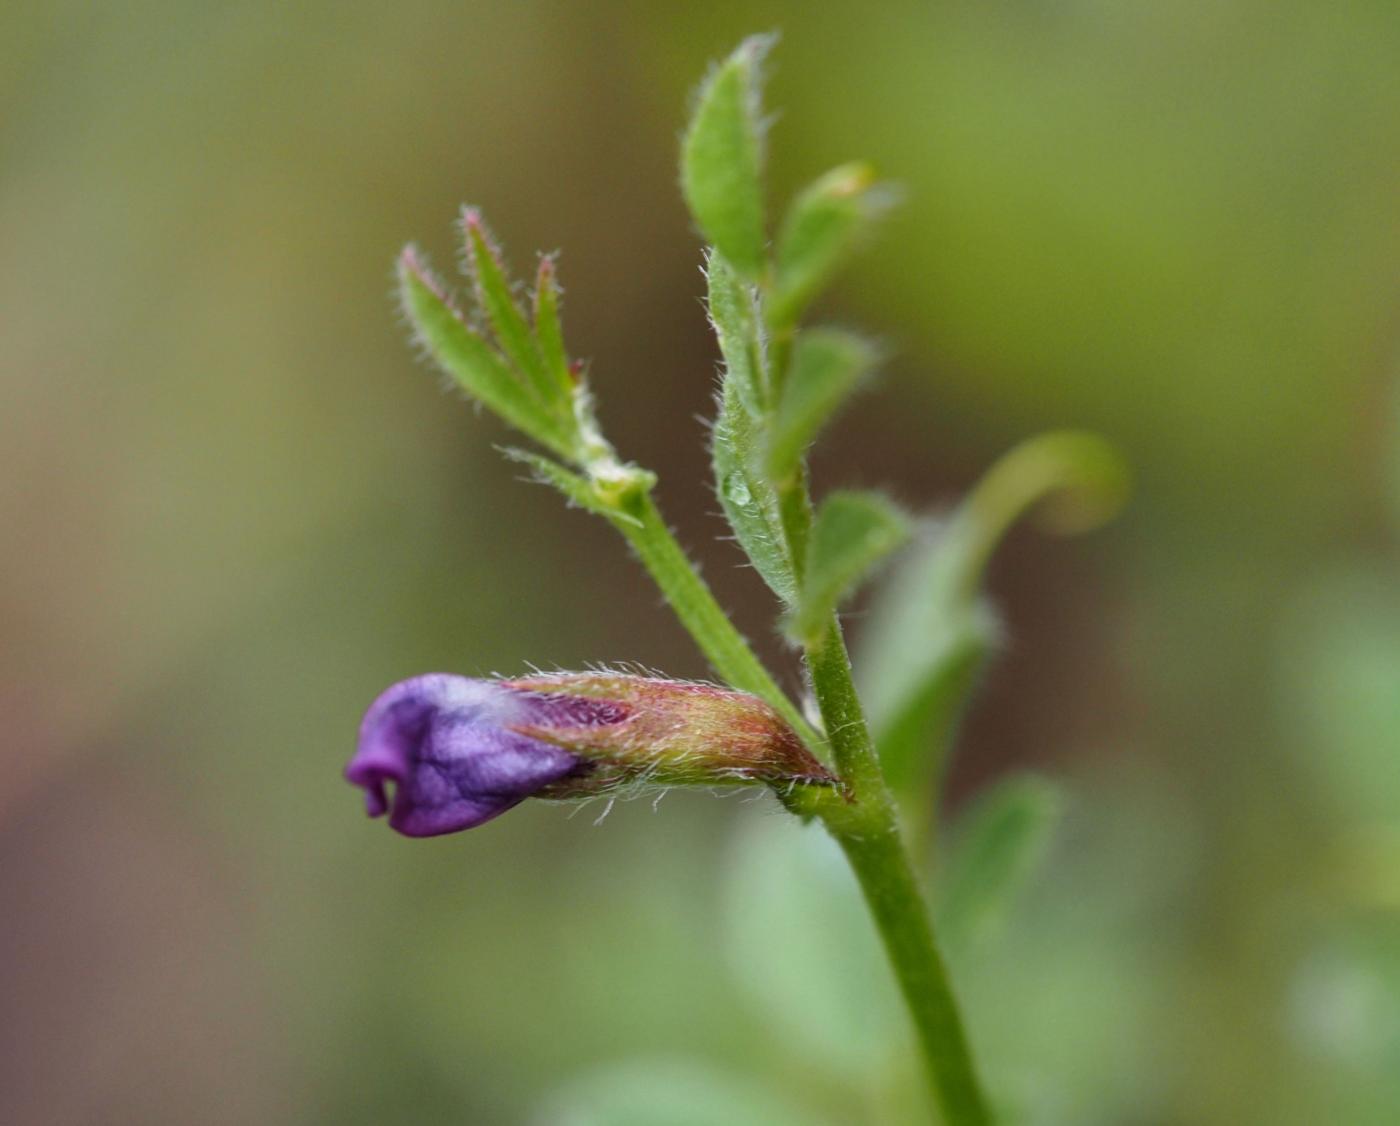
(459, 751)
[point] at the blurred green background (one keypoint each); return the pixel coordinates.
(235, 508)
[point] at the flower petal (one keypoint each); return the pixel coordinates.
(445, 744)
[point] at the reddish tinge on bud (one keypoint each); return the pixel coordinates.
(457, 752)
(670, 732)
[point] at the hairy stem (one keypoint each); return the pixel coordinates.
(868, 832)
(689, 596)
(861, 816)
(866, 826)
(863, 822)
(795, 508)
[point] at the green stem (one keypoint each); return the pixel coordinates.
(690, 597)
(863, 823)
(795, 509)
(860, 816)
(867, 830)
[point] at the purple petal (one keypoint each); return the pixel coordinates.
(445, 743)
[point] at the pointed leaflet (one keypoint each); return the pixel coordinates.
(823, 226)
(998, 843)
(733, 315)
(749, 501)
(722, 158)
(472, 363)
(827, 364)
(748, 498)
(852, 532)
(549, 332)
(512, 330)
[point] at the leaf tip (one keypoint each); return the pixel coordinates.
(413, 269)
(477, 242)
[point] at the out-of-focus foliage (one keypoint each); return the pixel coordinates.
(931, 629)
(235, 509)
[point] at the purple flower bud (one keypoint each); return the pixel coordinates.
(459, 751)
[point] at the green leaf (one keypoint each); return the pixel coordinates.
(749, 500)
(827, 364)
(929, 631)
(823, 226)
(472, 363)
(732, 304)
(998, 844)
(852, 532)
(722, 158)
(669, 1091)
(549, 332)
(512, 330)
(799, 940)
